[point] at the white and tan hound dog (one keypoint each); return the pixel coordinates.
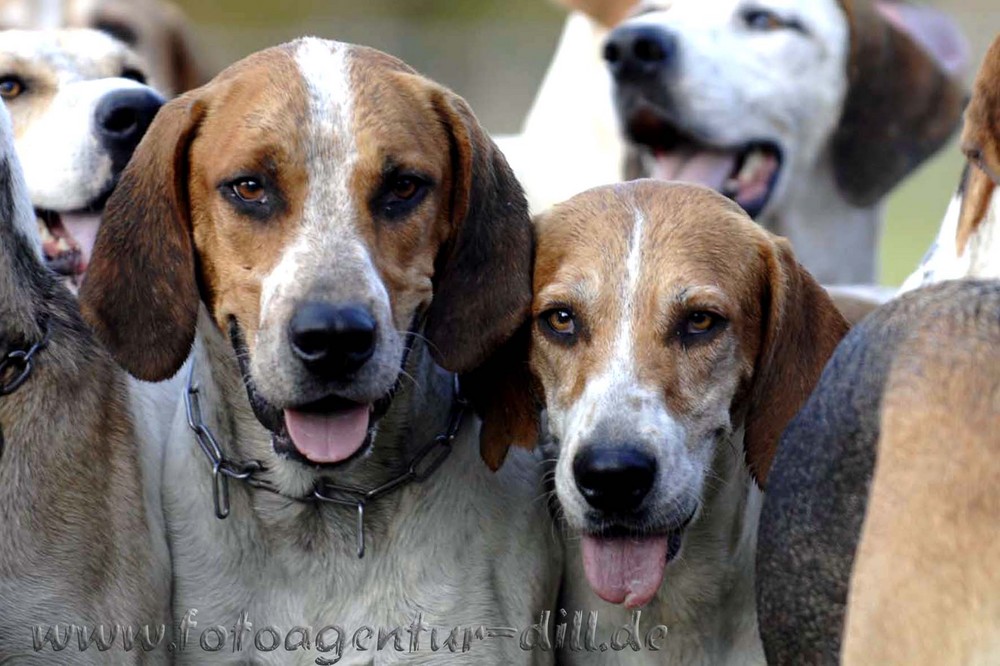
(325, 226)
(671, 339)
(805, 112)
(83, 555)
(155, 29)
(79, 105)
(968, 244)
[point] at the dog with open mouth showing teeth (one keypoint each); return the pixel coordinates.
(325, 227)
(79, 106)
(805, 112)
(671, 340)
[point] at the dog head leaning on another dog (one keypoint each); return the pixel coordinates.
(807, 113)
(155, 29)
(670, 339)
(242, 193)
(79, 106)
(968, 244)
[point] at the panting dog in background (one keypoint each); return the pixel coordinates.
(154, 29)
(81, 536)
(324, 226)
(670, 341)
(79, 106)
(806, 113)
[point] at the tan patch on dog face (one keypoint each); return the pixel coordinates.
(685, 267)
(251, 131)
(981, 145)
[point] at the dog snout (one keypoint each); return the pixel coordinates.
(332, 341)
(639, 51)
(122, 118)
(615, 479)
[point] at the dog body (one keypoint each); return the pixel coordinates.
(154, 29)
(352, 222)
(888, 472)
(805, 112)
(79, 108)
(660, 335)
(81, 538)
(968, 244)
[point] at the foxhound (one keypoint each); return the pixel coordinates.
(326, 227)
(805, 112)
(80, 105)
(83, 555)
(155, 29)
(671, 340)
(882, 500)
(968, 244)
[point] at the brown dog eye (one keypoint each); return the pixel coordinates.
(250, 191)
(700, 322)
(11, 87)
(561, 321)
(405, 188)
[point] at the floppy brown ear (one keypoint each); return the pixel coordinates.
(902, 103)
(185, 70)
(482, 278)
(801, 329)
(140, 294)
(506, 396)
(976, 197)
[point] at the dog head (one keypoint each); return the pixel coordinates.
(968, 243)
(666, 328)
(740, 94)
(324, 202)
(154, 29)
(79, 108)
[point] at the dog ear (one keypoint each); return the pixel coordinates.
(978, 192)
(482, 277)
(184, 65)
(801, 327)
(904, 98)
(140, 294)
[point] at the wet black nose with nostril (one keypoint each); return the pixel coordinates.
(639, 51)
(614, 478)
(121, 120)
(333, 341)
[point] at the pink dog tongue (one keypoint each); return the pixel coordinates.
(710, 168)
(328, 438)
(625, 570)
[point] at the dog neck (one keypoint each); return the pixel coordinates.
(419, 412)
(707, 596)
(837, 242)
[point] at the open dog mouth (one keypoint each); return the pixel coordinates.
(628, 569)
(329, 431)
(747, 174)
(63, 254)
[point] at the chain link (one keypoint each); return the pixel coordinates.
(23, 361)
(426, 461)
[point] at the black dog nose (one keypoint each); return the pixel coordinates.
(639, 51)
(121, 120)
(614, 478)
(333, 341)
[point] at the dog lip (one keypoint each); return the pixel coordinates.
(622, 527)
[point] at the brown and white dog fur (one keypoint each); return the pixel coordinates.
(806, 112)
(968, 244)
(81, 541)
(671, 340)
(79, 106)
(569, 141)
(324, 177)
(155, 29)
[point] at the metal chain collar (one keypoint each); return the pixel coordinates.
(428, 459)
(22, 362)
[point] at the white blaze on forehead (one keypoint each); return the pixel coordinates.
(327, 230)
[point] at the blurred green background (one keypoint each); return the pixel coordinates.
(494, 53)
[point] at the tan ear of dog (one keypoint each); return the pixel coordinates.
(482, 277)
(981, 145)
(801, 329)
(902, 103)
(184, 67)
(141, 294)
